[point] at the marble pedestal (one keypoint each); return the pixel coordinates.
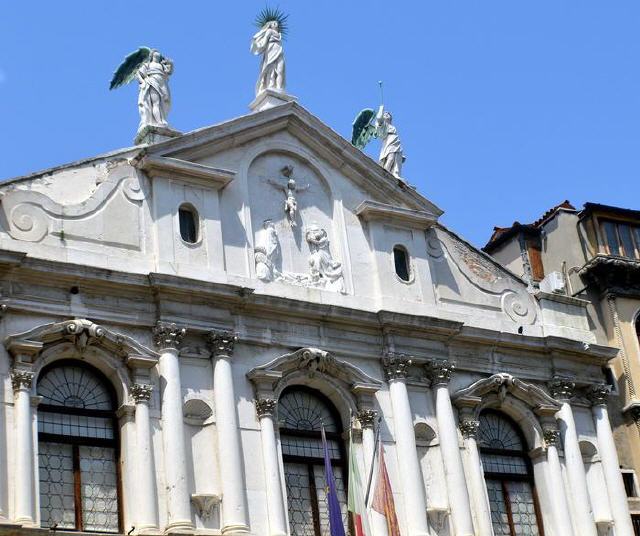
(154, 134)
(270, 98)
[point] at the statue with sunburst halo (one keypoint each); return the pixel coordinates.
(268, 42)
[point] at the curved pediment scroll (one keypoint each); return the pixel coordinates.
(273, 376)
(82, 333)
(485, 275)
(504, 384)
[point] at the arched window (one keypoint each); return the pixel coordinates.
(508, 475)
(301, 414)
(188, 220)
(401, 262)
(77, 449)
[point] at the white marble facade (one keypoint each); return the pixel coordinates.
(201, 292)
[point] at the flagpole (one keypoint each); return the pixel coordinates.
(373, 459)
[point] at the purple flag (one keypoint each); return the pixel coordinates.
(335, 515)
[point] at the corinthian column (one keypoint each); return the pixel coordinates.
(23, 492)
(459, 503)
(557, 493)
(583, 522)
(266, 409)
(395, 367)
(609, 458)
(234, 505)
(146, 506)
(469, 428)
(167, 337)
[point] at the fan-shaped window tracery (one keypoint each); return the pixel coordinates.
(301, 415)
(508, 476)
(77, 450)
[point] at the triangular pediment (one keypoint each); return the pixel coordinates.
(314, 138)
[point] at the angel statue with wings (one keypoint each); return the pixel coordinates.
(268, 42)
(152, 70)
(367, 125)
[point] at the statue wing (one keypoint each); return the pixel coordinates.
(363, 131)
(129, 67)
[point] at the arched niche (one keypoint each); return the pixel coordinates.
(268, 174)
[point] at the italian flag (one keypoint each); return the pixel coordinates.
(356, 496)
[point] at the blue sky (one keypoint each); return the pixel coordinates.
(504, 108)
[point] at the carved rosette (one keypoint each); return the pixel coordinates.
(367, 417)
(168, 335)
(266, 407)
(551, 437)
(21, 379)
(222, 342)
(440, 372)
(562, 389)
(396, 366)
(598, 394)
(469, 428)
(141, 392)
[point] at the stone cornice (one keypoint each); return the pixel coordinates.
(373, 210)
(238, 298)
(192, 172)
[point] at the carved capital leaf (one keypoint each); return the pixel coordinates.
(21, 379)
(551, 436)
(469, 428)
(396, 366)
(168, 335)
(222, 342)
(598, 394)
(141, 392)
(367, 417)
(562, 388)
(440, 372)
(266, 407)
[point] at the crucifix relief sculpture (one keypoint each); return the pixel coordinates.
(290, 189)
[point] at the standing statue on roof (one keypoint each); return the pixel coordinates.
(368, 125)
(268, 42)
(152, 70)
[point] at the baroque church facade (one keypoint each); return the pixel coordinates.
(180, 318)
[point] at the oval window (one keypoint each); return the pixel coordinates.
(188, 219)
(401, 261)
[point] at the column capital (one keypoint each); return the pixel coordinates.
(141, 392)
(265, 407)
(396, 366)
(598, 394)
(21, 379)
(222, 342)
(367, 417)
(439, 371)
(168, 335)
(551, 436)
(469, 428)
(562, 388)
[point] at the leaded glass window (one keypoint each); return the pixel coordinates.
(77, 450)
(508, 476)
(302, 413)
